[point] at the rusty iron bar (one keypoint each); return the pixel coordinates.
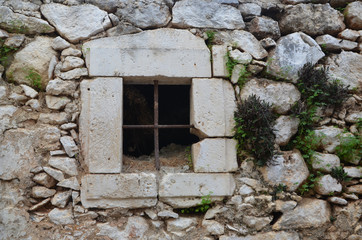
(155, 120)
(158, 126)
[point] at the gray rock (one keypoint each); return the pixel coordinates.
(353, 15)
(56, 174)
(291, 54)
(324, 162)
(60, 44)
(24, 7)
(263, 27)
(73, 74)
(56, 103)
(53, 118)
(329, 137)
(349, 34)
(241, 57)
(327, 185)
(69, 145)
(60, 87)
(122, 29)
(3, 34)
(61, 216)
(346, 68)
(71, 183)
(312, 19)
(71, 62)
(354, 172)
(14, 223)
(212, 212)
(288, 169)
(284, 129)
(15, 41)
(42, 192)
(284, 206)
(60, 199)
(268, 43)
(249, 10)
(52, 64)
(76, 23)
(71, 52)
(266, 236)
(180, 224)
(353, 117)
(136, 228)
(68, 126)
(109, 5)
(167, 214)
(337, 200)
(67, 165)
(18, 23)
(280, 95)
(6, 114)
(40, 204)
(44, 179)
(309, 213)
(257, 223)
(331, 43)
(28, 91)
(206, 14)
(145, 14)
(245, 190)
(357, 189)
(213, 227)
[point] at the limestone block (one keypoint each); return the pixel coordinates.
(219, 60)
(214, 155)
(212, 107)
(131, 190)
(162, 53)
(101, 124)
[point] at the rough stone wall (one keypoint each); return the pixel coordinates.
(41, 165)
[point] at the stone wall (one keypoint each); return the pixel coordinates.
(63, 66)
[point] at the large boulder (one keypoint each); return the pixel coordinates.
(312, 19)
(15, 22)
(32, 62)
(145, 14)
(347, 68)
(287, 168)
(353, 15)
(206, 14)
(291, 54)
(76, 23)
(280, 95)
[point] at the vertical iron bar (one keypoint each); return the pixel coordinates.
(155, 108)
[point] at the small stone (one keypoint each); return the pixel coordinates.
(353, 117)
(327, 185)
(71, 183)
(73, 74)
(349, 34)
(257, 223)
(34, 104)
(71, 62)
(213, 227)
(69, 145)
(249, 10)
(67, 165)
(353, 16)
(40, 204)
(262, 27)
(245, 190)
(238, 70)
(167, 214)
(68, 126)
(61, 217)
(337, 200)
(52, 64)
(284, 129)
(331, 43)
(57, 153)
(241, 57)
(268, 42)
(15, 41)
(56, 174)
(37, 169)
(75, 197)
(284, 206)
(56, 103)
(42, 192)
(122, 29)
(71, 52)
(53, 118)
(60, 199)
(329, 137)
(28, 91)
(59, 44)
(353, 172)
(17, 97)
(3, 34)
(324, 162)
(60, 87)
(212, 212)
(151, 214)
(44, 179)
(355, 189)
(350, 196)
(180, 224)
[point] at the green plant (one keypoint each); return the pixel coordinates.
(307, 144)
(278, 189)
(5, 53)
(350, 148)
(244, 74)
(230, 64)
(35, 78)
(200, 208)
(210, 38)
(17, 26)
(339, 174)
(253, 129)
(309, 184)
(324, 48)
(189, 157)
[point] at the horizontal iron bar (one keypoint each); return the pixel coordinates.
(158, 126)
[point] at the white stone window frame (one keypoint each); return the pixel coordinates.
(171, 57)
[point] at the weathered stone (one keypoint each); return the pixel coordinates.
(213, 227)
(257, 223)
(245, 190)
(67, 165)
(42, 192)
(267, 43)
(324, 162)
(312, 19)
(280, 95)
(269, 236)
(206, 14)
(329, 137)
(255, 184)
(58, 152)
(61, 216)
(34, 58)
(241, 57)
(60, 199)
(308, 213)
(145, 14)
(212, 212)
(71, 183)
(60, 87)
(212, 107)
(327, 185)
(353, 15)
(180, 224)
(59, 44)
(6, 114)
(17, 97)
(262, 27)
(69, 145)
(284, 206)
(28, 91)
(71, 52)
(331, 43)
(52, 64)
(346, 68)
(353, 172)
(214, 155)
(291, 54)
(4, 34)
(250, 10)
(353, 117)
(14, 22)
(56, 174)
(219, 60)
(349, 34)
(68, 126)
(37, 169)
(122, 29)
(101, 124)
(73, 74)
(53, 118)
(350, 196)
(71, 62)
(136, 228)
(238, 70)
(167, 214)
(15, 41)
(151, 213)
(125, 190)
(109, 6)
(143, 55)
(40, 204)
(355, 189)
(56, 103)
(89, 20)
(243, 40)
(337, 200)
(44, 179)
(284, 129)
(288, 169)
